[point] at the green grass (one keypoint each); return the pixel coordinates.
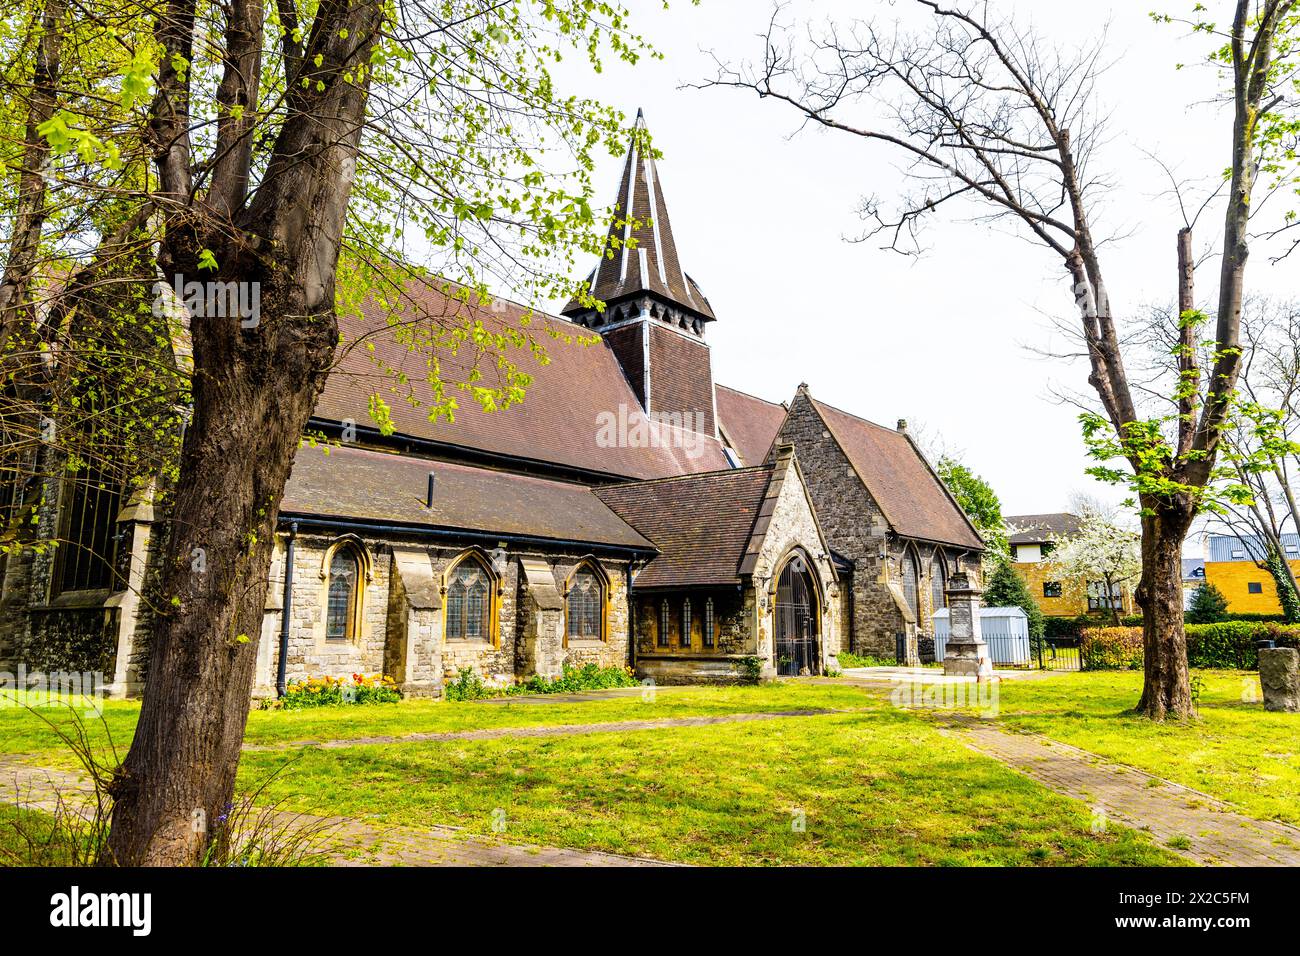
(26, 839)
(1235, 751)
(26, 732)
(878, 787)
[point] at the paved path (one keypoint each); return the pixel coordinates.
(544, 730)
(341, 840)
(1203, 829)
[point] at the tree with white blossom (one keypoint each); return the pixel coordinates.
(1102, 550)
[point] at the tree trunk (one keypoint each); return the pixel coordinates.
(254, 391)
(178, 779)
(1166, 690)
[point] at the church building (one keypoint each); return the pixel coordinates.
(628, 511)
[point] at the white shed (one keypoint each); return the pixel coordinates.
(1004, 629)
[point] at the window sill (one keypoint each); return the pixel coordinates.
(470, 645)
(585, 642)
(77, 600)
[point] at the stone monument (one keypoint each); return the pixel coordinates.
(1279, 676)
(966, 654)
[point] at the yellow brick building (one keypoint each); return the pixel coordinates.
(1031, 545)
(1230, 566)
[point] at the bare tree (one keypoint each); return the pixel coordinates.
(989, 114)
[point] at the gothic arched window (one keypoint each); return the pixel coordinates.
(686, 623)
(470, 605)
(938, 582)
(911, 590)
(585, 605)
(87, 532)
(663, 622)
(708, 623)
(342, 605)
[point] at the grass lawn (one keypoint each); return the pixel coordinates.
(1236, 751)
(876, 787)
(23, 731)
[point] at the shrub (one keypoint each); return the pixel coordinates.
(1228, 644)
(864, 660)
(330, 691)
(1208, 605)
(573, 679)
(1111, 648)
(468, 685)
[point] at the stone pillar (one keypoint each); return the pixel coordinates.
(966, 654)
(542, 647)
(139, 515)
(413, 643)
(268, 643)
(1279, 676)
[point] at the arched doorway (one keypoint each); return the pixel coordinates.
(795, 619)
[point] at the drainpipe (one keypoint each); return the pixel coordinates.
(631, 617)
(286, 611)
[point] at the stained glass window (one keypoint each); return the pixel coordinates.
(341, 604)
(469, 605)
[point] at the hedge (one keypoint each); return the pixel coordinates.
(1075, 626)
(1226, 644)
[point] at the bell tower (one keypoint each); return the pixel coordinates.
(655, 315)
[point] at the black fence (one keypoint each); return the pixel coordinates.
(1060, 654)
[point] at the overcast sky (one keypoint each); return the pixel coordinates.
(946, 341)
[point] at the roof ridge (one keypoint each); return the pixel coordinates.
(757, 398)
(687, 477)
(856, 417)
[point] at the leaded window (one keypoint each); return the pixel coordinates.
(663, 623)
(585, 602)
(469, 602)
(910, 589)
(708, 622)
(341, 602)
(938, 583)
(686, 623)
(85, 555)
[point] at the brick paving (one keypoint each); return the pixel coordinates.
(1203, 829)
(543, 730)
(341, 840)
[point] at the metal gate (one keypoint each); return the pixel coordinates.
(1060, 654)
(795, 620)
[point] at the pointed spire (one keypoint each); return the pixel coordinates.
(644, 260)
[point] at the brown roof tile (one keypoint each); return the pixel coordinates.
(750, 422)
(360, 484)
(914, 500)
(700, 523)
(558, 419)
(649, 263)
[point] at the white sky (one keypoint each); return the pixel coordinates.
(944, 341)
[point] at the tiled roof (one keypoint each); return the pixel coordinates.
(649, 262)
(1039, 529)
(557, 422)
(360, 484)
(914, 500)
(700, 523)
(751, 423)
